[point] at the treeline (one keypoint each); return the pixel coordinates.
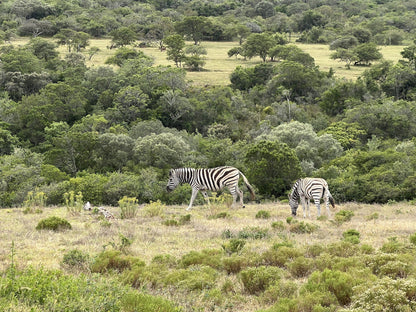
(318, 21)
(112, 131)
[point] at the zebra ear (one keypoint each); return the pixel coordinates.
(170, 172)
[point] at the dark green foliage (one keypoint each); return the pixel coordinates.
(412, 239)
(133, 302)
(302, 227)
(53, 224)
(253, 233)
(278, 225)
(272, 166)
(193, 278)
(207, 257)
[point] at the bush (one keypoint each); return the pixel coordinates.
(234, 264)
(412, 239)
(386, 295)
(54, 224)
(262, 214)
(280, 256)
(193, 278)
(278, 225)
(300, 267)
(220, 215)
(154, 209)
(133, 302)
(253, 233)
(343, 216)
(208, 257)
(281, 289)
(302, 227)
(114, 260)
(235, 245)
(352, 236)
(76, 258)
(128, 207)
(256, 280)
(338, 283)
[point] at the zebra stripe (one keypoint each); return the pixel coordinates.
(212, 179)
(310, 188)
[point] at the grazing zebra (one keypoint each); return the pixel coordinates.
(213, 179)
(310, 188)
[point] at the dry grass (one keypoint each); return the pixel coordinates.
(219, 66)
(150, 237)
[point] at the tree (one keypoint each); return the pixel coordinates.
(258, 45)
(74, 40)
(367, 52)
(193, 27)
(123, 54)
(122, 36)
(195, 61)
(272, 167)
(164, 151)
(113, 151)
(344, 55)
(175, 45)
(43, 49)
(130, 104)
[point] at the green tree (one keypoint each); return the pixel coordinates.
(113, 151)
(123, 54)
(194, 60)
(193, 27)
(272, 167)
(367, 52)
(258, 45)
(164, 151)
(175, 49)
(122, 36)
(349, 135)
(345, 55)
(74, 40)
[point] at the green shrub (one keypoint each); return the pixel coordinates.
(343, 249)
(192, 278)
(208, 257)
(393, 246)
(128, 207)
(226, 234)
(300, 267)
(234, 264)
(280, 256)
(386, 295)
(54, 224)
(234, 245)
(170, 222)
(73, 203)
(278, 225)
(114, 260)
(343, 216)
(302, 227)
(76, 258)
(258, 279)
(135, 301)
(184, 219)
(352, 236)
(280, 289)
(392, 265)
(262, 214)
(373, 216)
(314, 250)
(220, 215)
(253, 233)
(338, 283)
(154, 209)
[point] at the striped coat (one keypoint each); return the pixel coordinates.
(212, 179)
(310, 188)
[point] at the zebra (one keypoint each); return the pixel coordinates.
(307, 188)
(213, 179)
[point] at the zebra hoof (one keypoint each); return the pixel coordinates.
(244, 206)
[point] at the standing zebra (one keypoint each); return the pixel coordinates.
(310, 188)
(213, 179)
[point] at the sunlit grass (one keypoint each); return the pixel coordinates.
(219, 66)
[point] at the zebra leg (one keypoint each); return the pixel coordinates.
(327, 206)
(240, 194)
(205, 194)
(302, 199)
(318, 206)
(194, 193)
(307, 207)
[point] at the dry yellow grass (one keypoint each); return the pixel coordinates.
(150, 237)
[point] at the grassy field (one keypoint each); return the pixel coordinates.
(219, 66)
(149, 237)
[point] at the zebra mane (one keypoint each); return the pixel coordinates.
(295, 193)
(184, 174)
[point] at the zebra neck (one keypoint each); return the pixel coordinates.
(185, 175)
(295, 194)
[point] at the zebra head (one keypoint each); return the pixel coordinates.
(293, 204)
(173, 180)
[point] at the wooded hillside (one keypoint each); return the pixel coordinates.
(114, 130)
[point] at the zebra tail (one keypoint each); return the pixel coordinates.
(332, 201)
(250, 188)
